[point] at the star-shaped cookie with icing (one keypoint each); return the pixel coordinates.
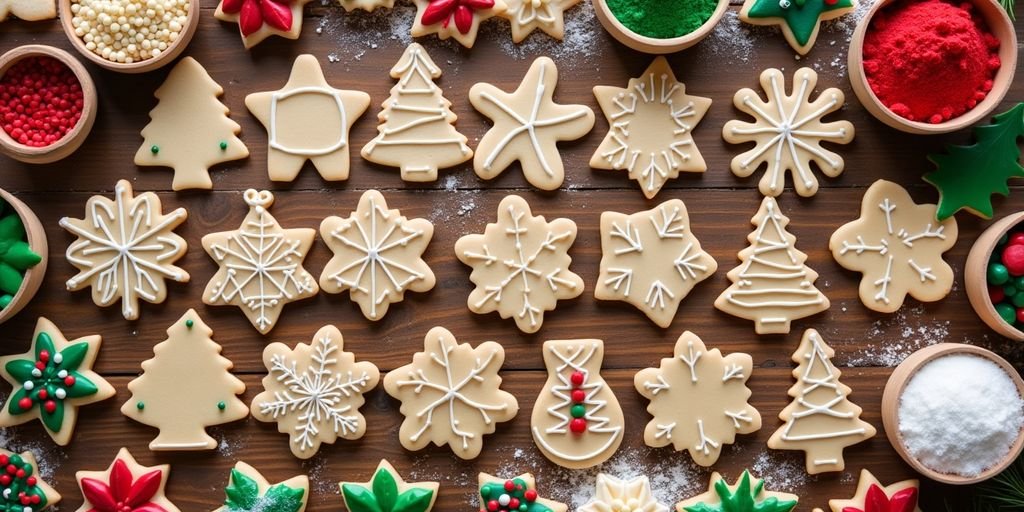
(800, 20)
(525, 16)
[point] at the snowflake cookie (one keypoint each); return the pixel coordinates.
(746, 495)
(527, 126)
(650, 132)
(25, 491)
(378, 255)
(897, 245)
(620, 495)
(517, 494)
(125, 486)
(52, 380)
(388, 491)
(314, 392)
(525, 16)
(451, 394)
(787, 132)
(260, 19)
(458, 19)
(651, 259)
(872, 496)
(249, 491)
(698, 400)
(126, 249)
(260, 264)
(520, 264)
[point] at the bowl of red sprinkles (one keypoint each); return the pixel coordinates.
(932, 66)
(47, 104)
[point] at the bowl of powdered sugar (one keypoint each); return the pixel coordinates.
(955, 413)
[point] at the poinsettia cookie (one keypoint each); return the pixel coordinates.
(458, 19)
(249, 491)
(125, 486)
(260, 19)
(621, 495)
(387, 491)
(21, 488)
(748, 494)
(517, 494)
(52, 380)
(872, 496)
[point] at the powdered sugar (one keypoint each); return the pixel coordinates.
(48, 456)
(578, 47)
(781, 471)
(891, 340)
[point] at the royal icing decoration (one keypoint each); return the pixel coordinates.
(577, 421)
(28, 10)
(260, 19)
(714, 390)
(125, 486)
(650, 128)
(185, 388)
(21, 488)
(517, 494)
(387, 492)
(260, 264)
(527, 126)
(126, 249)
(525, 16)
(307, 119)
(872, 496)
(746, 495)
(458, 19)
(821, 420)
(416, 131)
(619, 495)
(378, 255)
(189, 129)
(451, 394)
(51, 381)
(897, 245)
(314, 392)
(787, 132)
(799, 19)
(651, 259)
(249, 491)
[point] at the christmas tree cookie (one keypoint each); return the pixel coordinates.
(417, 126)
(307, 119)
(458, 19)
(800, 20)
(314, 391)
(525, 16)
(125, 486)
(52, 380)
(387, 492)
(260, 19)
(872, 496)
(821, 420)
(24, 490)
(249, 491)
(517, 494)
(620, 495)
(189, 129)
(28, 10)
(185, 388)
(746, 495)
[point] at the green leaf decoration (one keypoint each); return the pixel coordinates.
(73, 356)
(414, 500)
(242, 492)
(359, 499)
(385, 490)
(280, 498)
(743, 500)
(20, 369)
(12, 403)
(44, 342)
(53, 420)
(82, 387)
(967, 176)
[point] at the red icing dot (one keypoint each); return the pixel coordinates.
(577, 378)
(578, 395)
(69, 380)
(530, 495)
(20, 474)
(513, 503)
(4, 459)
(31, 480)
(578, 425)
(36, 499)
(40, 365)
(43, 394)
(510, 485)
(25, 403)
(50, 406)
(44, 355)
(11, 469)
(492, 505)
(1013, 259)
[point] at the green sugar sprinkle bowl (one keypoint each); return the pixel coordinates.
(655, 45)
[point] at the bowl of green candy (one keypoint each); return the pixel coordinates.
(23, 252)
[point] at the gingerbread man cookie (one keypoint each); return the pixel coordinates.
(458, 19)
(746, 495)
(260, 19)
(125, 486)
(517, 494)
(25, 491)
(388, 491)
(249, 491)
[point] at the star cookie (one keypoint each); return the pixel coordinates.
(125, 486)
(748, 492)
(25, 491)
(525, 16)
(260, 19)
(458, 19)
(249, 491)
(615, 494)
(388, 491)
(799, 19)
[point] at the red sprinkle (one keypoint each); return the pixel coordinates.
(1016, 239)
(577, 378)
(578, 425)
(41, 101)
(1013, 259)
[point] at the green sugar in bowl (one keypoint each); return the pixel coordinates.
(659, 26)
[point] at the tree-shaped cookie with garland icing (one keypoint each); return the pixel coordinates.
(388, 492)
(621, 495)
(517, 494)
(249, 491)
(24, 489)
(125, 486)
(748, 494)
(872, 496)
(800, 20)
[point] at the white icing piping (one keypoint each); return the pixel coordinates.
(342, 117)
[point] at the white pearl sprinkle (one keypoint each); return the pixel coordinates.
(504, 500)
(62, 374)
(36, 372)
(109, 27)
(58, 358)
(61, 394)
(28, 385)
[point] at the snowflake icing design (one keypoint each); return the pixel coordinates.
(125, 249)
(616, 494)
(260, 264)
(788, 131)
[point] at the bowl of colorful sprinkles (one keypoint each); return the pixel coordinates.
(994, 276)
(47, 104)
(130, 36)
(659, 26)
(22, 255)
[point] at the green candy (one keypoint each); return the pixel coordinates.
(998, 274)
(1007, 312)
(1010, 290)
(5, 300)
(578, 411)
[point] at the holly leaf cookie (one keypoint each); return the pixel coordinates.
(872, 496)
(125, 486)
(249, 491)
(387, 491)
(517, 494)
(615, 494)
(458, 19)
(52, 380)
(800, 20)
(260, 19)
(25, 490)
(525, 16)
(746, 495)
(28, 10)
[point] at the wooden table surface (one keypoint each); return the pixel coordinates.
(356, 51)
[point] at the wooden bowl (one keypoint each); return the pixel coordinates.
(175, 48)
(1000, 25)
(36, 237)
(894, 390)
(650, 44)
(73, 139)
(976, 276)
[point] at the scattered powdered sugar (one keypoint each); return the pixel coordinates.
(578, 47)
(320, 480)
(781, 471)
(732, 41)
(48, 457)
(891, 340)
(359, 31)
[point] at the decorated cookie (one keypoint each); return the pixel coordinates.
(821, 420)
(451, 394)
(799, 19)
(25, 490)
(185, 388)
(872, 496)
(525, 16)
(125, 486)
(260, 19)
(249, 491)
(746, 495)
(386, 491)
(28, 10)
(378, 255)
(651, 259)
(772, 286)
(458, 19)
(189, 129)
(650, 128)
(698, 400)
(307, 119)
(787, 132)
(260, 264)
(417, 126)
(897, 246)
(314, 392)
(520, 264)
(527, 126)
(126, 249)
(577, 421)
(52, 380)
(619, 495)
(517, 494)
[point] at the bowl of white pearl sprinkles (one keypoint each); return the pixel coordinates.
(955, 413)
(130, 36)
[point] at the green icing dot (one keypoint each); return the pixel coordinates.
(154, 149)
(221, 405)
(578, 411)
(223, 145)
(190, 323)
(140, 406)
